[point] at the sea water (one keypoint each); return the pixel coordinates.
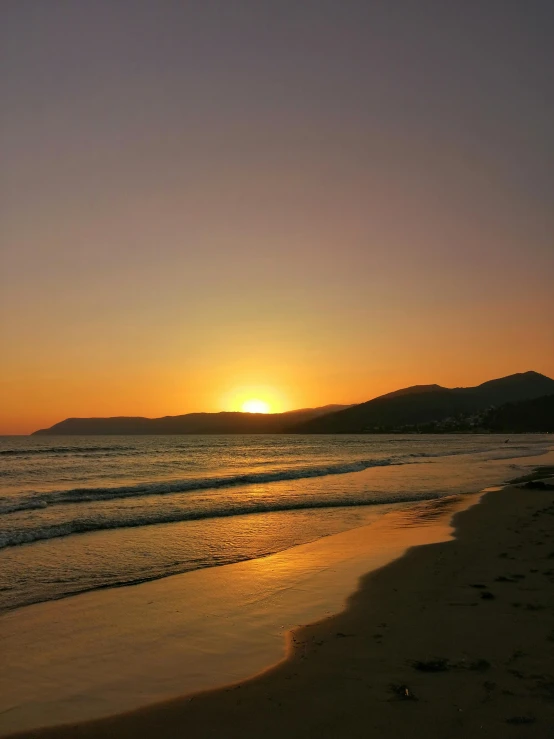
(82, 513)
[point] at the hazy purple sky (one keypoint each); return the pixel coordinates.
(319, 201)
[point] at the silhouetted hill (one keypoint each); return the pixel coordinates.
(414, 390)
(524, 416)
(426, 404)
(510, 389)
(191, 423)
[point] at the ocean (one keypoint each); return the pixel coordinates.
(83, 513)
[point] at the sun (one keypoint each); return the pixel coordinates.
(255, 406)
(254, 397)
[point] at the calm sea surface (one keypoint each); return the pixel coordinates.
(80, 513)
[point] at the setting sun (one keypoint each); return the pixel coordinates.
(255, 397)
(255, 406)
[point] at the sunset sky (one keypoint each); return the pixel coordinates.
(298, 201)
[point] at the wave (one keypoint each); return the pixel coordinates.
(523, 452)
(85, 495)
(535, 450)
(150, 518)
(16, 506)
(61, 450)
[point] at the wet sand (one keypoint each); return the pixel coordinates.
(454, 639)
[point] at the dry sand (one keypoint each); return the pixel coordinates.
(454, 639)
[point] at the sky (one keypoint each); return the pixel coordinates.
(304, 203)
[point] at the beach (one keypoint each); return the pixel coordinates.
(455, 638)
(276, 429)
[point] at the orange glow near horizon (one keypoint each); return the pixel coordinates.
(29, 402)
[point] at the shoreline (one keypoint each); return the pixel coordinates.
(479, 623)
(116, 650)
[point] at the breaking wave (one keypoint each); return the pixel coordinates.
(86, 495)
(122, 519)
(62, 450)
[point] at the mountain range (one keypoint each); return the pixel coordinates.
(191, 423)
(424, 404)
(416, 408)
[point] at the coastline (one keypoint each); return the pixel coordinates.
(474, 610)
(110, 651)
